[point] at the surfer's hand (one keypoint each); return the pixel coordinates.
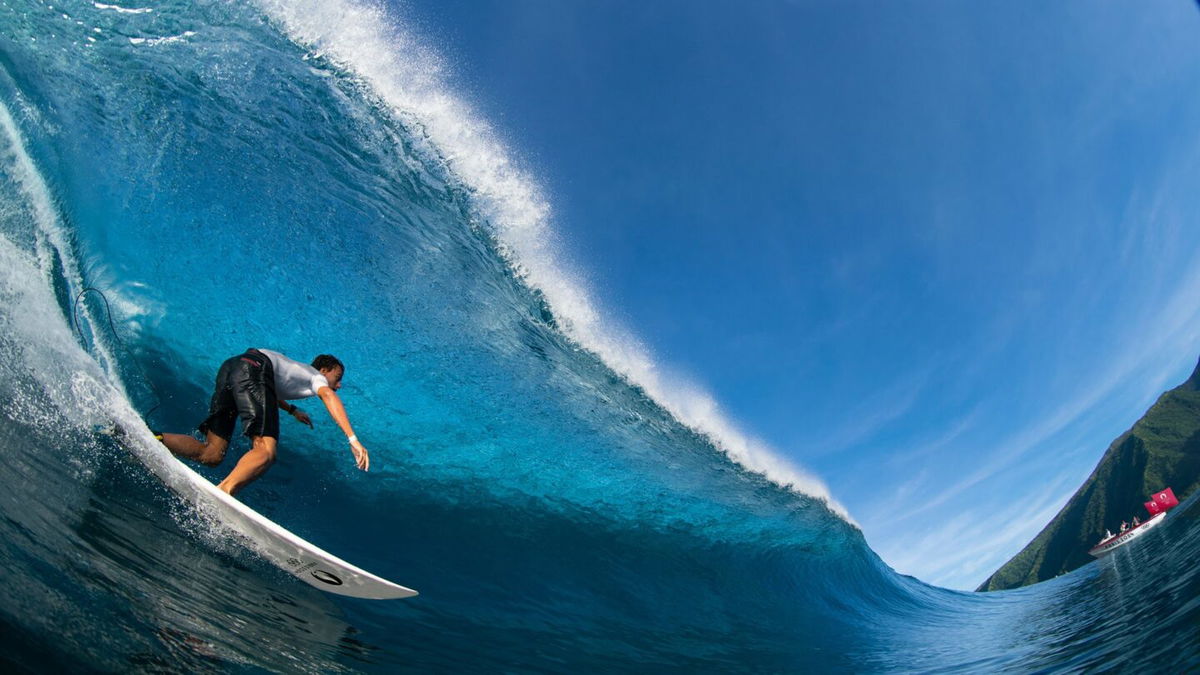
(302, 417)
(361, 458)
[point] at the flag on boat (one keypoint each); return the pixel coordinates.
(1161, 501)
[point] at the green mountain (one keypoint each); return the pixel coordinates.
(1161, 450)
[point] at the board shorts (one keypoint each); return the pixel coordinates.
(245, 388)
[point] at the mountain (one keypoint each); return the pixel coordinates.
(1161, 450)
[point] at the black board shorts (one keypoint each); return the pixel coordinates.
(245, 388)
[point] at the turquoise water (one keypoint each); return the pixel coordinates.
(292, 176)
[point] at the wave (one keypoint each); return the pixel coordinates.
(240, 186)
(368, 42)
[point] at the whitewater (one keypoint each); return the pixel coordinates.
(298, 176)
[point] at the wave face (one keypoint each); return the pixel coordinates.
(236, 176)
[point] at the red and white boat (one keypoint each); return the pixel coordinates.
(1157, 506)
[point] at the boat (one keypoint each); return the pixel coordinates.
(1120, 539)
(1158, 506)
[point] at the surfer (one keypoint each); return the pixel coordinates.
(256, 386)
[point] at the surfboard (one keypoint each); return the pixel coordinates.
(276, 544)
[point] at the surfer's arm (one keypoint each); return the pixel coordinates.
(337, 411)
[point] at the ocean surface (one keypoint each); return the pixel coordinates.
(296, 176)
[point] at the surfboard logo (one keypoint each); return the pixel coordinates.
(327, 577)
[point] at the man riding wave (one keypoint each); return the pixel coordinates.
(255, 386)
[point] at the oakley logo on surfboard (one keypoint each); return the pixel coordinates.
(322, 575)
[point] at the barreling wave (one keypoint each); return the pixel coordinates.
(369, 43)
(303, 180)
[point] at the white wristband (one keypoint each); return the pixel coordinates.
(353, 439)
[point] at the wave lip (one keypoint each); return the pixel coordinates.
(368, 43)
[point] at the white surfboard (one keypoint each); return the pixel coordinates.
(292, 554)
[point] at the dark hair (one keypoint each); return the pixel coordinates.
(327, 362)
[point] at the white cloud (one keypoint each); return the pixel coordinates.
(973, 543)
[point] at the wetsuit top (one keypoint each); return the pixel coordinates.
(293, 379)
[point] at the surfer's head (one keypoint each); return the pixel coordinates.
(331, 367)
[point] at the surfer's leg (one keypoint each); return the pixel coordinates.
(253, 464)
(211, 451)
(253, 396)
(217, 427)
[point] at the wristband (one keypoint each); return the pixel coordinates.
(353, 439)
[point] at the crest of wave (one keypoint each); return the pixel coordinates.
(368, 43)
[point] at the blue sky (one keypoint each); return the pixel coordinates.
(939, 254)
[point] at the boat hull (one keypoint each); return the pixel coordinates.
(1117, 541)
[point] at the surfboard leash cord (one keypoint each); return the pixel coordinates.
(77, 327)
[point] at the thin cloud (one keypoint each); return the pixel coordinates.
(971, 545)
(925, 447)
(875, 413)
(1177, 335)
